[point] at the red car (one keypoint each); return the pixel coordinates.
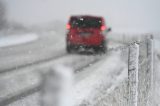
(86, 32)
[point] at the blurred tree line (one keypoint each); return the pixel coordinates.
(2, 15)
(6, 25)
(11, 26)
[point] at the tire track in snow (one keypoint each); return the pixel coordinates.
(53, 58)
(37, 88)
(32, 64)
(19, 96)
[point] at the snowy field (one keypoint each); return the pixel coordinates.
(15, 40)
(98, 79)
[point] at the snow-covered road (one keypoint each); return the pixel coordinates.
(15, 40)
(20, 66)
(95, 77)
(28, 78)
(49, 46)
(45, 48)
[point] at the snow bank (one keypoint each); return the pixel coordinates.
(102, 79)
(17, 39)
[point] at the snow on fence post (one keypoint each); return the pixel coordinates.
(149, 72)
(145, 84)
(133, 74)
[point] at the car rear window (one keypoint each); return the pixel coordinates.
(86, 22)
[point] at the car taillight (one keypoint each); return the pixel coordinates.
(68, 26)
(103, 28)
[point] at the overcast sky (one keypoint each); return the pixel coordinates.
(119, 14)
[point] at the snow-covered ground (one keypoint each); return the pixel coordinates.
(17, 39)
(27, 78)
(98, 80)
(46, 47)
(90, 82)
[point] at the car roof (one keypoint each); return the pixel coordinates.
(85, 16)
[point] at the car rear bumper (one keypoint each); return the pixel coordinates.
(86, 42)
(87, 46)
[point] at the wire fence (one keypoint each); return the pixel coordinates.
(137, 90)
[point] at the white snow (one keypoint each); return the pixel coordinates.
(17, 39)
(103, 77)
(89, 83)
(93, 82)
(31, 52)
(96, 78)
(24, 79)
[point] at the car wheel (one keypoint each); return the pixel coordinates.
(68, 49)
(103, 47)
(71, 48)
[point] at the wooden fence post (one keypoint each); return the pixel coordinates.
(133, 62)
(149, 72)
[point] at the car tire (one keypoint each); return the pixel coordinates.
(103, 47)
(68, 49)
